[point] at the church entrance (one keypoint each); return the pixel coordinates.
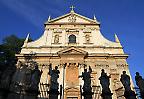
(72, 74)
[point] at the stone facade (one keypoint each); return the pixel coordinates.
(77, 40)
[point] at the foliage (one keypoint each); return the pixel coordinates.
(11, 45)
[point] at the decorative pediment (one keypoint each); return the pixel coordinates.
(72, 18)
(72, 51)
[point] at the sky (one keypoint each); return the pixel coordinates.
(123, 17)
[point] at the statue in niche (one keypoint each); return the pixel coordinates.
(87, 38)
(56, 39)
(125, 79)
(54, 77)
(105, 82)
(86, 77)
(140, 83)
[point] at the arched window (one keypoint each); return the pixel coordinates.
(72, 39)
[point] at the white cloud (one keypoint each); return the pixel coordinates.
(33, 10)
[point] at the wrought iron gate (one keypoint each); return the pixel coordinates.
(44, 88)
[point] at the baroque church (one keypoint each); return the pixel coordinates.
(76, 40)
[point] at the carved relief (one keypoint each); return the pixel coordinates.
(122, 65)
(87, 38)
(57, 30)
(102, 66)
(87, 30)
(72, 18)
(56, 39)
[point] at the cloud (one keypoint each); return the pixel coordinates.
(33, 10)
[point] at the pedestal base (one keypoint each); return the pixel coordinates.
(21, 96)
(130, 95)
(87, 95)
(142, 95)
(53, 94)
(106, 95)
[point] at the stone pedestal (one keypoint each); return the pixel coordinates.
(3, 93)
(106, 95)
(53, 94)
(142, 95)
(21, 96)
(87, 95)
(130, 95)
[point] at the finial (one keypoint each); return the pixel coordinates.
(49, 18)
(95, 17)
(26, 40)
(72, 8)
(117, 39)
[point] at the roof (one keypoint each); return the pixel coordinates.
(77, 19)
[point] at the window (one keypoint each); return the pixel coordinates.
(72, 39)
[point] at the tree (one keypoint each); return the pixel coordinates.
(11, 45)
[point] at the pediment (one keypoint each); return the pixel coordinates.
(72, 51)
(72, 18)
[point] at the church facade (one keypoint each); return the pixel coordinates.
(76, 40)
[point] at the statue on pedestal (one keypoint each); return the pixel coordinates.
(125, 79)
(54, 85)
(140, 83)
(5, 81)
(34, 81)
(87, 89)
(86, 77)
(105, 83)
(25, 81)
(54, 77)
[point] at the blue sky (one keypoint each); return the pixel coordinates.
(123, 17)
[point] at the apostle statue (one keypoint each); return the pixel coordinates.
(105, 82)
(6, 78)
(125, 79)
(86, 76)
(140, 83)
(54, 77)
(35, 79)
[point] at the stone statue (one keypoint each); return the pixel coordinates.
(6, 78)
(35, 78)
(56, 39)
(125, 79)
(140, 83)
(5, 81)
(54, 77)
(86, 76)
(105, 82)
(25, 82)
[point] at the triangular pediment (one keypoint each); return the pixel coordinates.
(72, 51)
(72, 18)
